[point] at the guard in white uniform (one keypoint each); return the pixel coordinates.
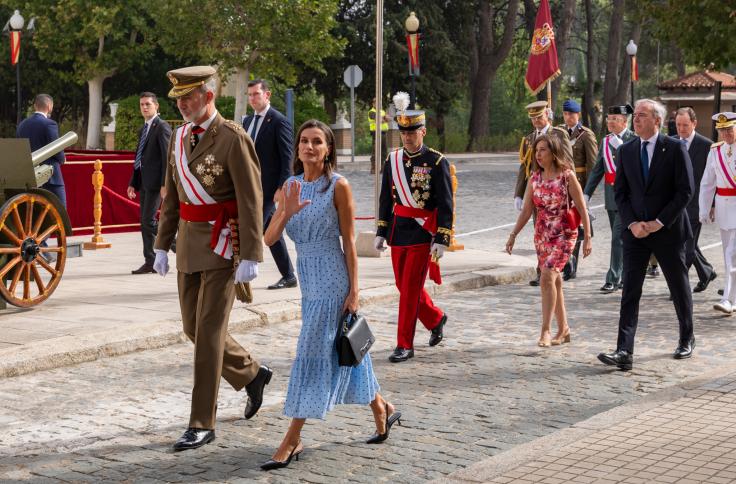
(719, 180)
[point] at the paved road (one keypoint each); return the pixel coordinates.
(485, 389)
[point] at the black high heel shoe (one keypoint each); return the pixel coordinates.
(390, 420)
(277, 464)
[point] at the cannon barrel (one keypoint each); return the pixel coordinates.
(43, 154)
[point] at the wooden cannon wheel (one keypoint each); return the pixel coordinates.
(30, 274)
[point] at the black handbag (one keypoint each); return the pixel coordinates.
(354, 339)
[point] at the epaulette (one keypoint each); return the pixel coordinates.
(562, 130)
(716, 145)
(439, 155)
(234, 126)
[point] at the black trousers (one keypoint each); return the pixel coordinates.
(671, 259)
(278, 250)
(150, 201)
(693, 256)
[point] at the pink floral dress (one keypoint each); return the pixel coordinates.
(553, 240)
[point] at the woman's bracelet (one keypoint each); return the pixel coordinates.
(512, 234)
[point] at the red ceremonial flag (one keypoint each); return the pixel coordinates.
(543, 65)
(14, 47)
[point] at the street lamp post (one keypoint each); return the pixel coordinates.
(631, 49)
(13, 29)
(412, 42)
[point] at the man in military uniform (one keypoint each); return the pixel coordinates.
(719, 181)
(618, 133)
(539, 115)
(584, 151)
(415, 217)
(212, 182)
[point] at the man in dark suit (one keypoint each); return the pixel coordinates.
(272, 134)
(654, 183)
(40, 131)
(149, 171)
(698, 147)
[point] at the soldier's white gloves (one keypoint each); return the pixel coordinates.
(518, 203)
(587, 198)
(379, 243)
(247, 271)
(161, 264)
(437, 251)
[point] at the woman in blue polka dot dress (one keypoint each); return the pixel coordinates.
(316, 208)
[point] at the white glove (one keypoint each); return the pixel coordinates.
(161, 264)
(379, 243)
(518, 203)
(437, 250)
(247, 271)
(587, 198)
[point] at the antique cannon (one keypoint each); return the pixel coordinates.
(30, 218)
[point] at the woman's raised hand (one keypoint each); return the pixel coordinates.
(291, 196)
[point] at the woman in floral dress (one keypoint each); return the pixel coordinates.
(552, 190)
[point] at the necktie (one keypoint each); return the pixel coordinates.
(569, 130)
(254, 127)
(196, 131)
(645, 160)
(139, 151)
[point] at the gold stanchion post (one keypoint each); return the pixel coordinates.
(98, 180)
(454, 246)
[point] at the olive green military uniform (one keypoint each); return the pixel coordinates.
(225, 163)
(526, 158)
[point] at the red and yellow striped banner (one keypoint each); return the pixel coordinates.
(14, 47)
(634, 69)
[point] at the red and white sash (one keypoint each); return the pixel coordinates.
(196, 193)
(402, 185)
(610, 143)
(726, 171)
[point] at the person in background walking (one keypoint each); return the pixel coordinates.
(552, 190)
(316, 207)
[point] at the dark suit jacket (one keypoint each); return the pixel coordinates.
(667, 192)
(274, 146)
(151, 175)
(41, 131)
(698, 153)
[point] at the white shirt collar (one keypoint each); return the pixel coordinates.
(543, 130)
(264, 110)
(42, 114)
(621, 134)
(150, 121)
(652, 140)
(207, 123)
(690, 139)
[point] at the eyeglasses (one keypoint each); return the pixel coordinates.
(641, 115)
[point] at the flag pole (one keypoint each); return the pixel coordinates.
(549, 94)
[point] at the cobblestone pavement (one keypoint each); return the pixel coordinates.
(485, 389)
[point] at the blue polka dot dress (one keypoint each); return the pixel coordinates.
(317, 382)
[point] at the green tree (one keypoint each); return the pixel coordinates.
(97, 38)
(272, 38)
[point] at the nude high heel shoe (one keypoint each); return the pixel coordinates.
(564, 338)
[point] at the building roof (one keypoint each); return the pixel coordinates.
(705, 80)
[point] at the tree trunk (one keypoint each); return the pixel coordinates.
(330, 107)
(241, 93)
(613, 57)
(440, 125)
(490, 56)
(530, 16)
(562, 36)
(678, 59)
(623, 92)
(590, 117)
(94, 117)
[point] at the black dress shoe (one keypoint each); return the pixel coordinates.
(194, 438)
(144, 269)
(390, 420)
(284, 283)
(277, 464)
(620, 286)
(254, 390)
(653, 271)
(534, 282)
(684, 350)
(720, 292)
(621, 358)
(608, 287)
(703, 285)
(401, 354)
(436, 336)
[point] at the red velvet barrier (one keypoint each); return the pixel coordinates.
(119, 214)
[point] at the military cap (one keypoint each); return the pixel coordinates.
(410, 120)
(536, 108)
(186, 79)
(571, 106)
(625, 110)
(726, 119)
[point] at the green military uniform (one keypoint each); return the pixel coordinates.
(225, 165)
(528, 163)
(615, 268)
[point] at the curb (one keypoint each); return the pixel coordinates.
(70, 350)
(500, 464)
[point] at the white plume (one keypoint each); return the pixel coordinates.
(401, 100)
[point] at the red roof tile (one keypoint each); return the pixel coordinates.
(699, 80)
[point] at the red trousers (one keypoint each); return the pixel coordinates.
(410, 270)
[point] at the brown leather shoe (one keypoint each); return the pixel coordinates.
(144, 269)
